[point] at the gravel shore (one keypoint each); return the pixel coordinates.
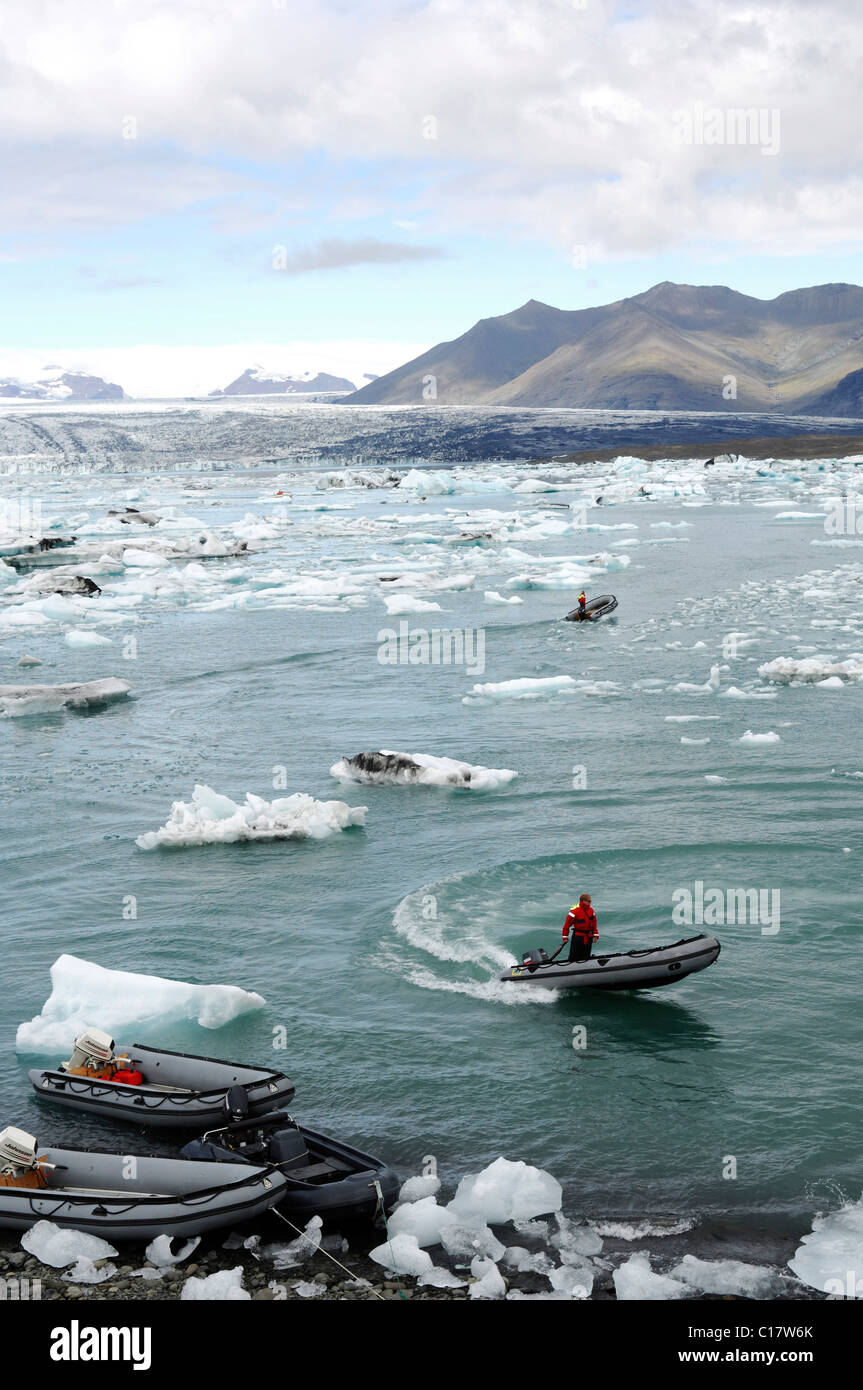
(319, 1278)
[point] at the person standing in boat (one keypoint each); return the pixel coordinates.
(582, 604)
(580, 929)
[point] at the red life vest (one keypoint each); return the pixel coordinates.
(582, 923)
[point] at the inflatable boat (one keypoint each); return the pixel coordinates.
(127, 1196)
(323, 1176)
(652, 968)
(597, 608)
(150, 1086)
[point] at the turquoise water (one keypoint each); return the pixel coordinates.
(378, 949)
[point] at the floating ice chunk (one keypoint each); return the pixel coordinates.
(830, 1258)
(416, 1188)
(120, 1000)
(789, 670)
(506, 1191)
(59, 1246)
(225, 1286)
(714, 778)
(400, 604)
(76, 637)
(134, 558)
(490, 1283)
(402, 1255)
(710, 686)
(727, 1276)
(18, 700)
(159, 1251)
(751, 738)
(389, 768)
(26, 660)
(85, 1272)
(464, 1242)
(636, 1280)
(295, 1252)
(831, 683)
(694, 740)
(423, 1219)
(493, 597)
(525, 688)
(210, 819)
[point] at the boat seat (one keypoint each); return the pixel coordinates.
(320, 1170)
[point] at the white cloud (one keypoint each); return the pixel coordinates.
(550, 120)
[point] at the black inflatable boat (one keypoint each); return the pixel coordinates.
(323, 1176)
(652, 968)
(597, 608)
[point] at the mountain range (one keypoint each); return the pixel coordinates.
(66, 386)
(675, 347)
(257, 381)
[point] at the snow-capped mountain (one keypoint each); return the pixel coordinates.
(258, 381)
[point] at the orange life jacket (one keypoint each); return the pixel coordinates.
(107, 1073)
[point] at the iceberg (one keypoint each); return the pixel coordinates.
(119, 1000)
(212, 819)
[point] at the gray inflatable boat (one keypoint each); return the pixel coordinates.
(652, 968)
(177, 1090)
(94, 1192)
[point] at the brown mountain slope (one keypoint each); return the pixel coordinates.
(671, 348)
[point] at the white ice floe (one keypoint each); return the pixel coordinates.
(289, 1254)
(524, 688)
(727, 1277)
(574, 1281)
(402, 1255)
(159, 1251)
(78, 638)
(506, 1191)
(463, 1243)
(636, 1280)
(493, 597)
(211, 819)
(399, 605)
(752, 739)
(59, 1246)
(830, 1257)
(811, 670)
(489, 1280)
(389, 768)
(120, 1000)
(225, 1286)
(714, 778)
(17, 701)
(416, 1188)
(84, 1271)
(423, 1219)
(694, 740)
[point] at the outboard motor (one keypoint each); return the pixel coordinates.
(17, 1152)
(94, 1051)
(532, 959)
(236, 1103)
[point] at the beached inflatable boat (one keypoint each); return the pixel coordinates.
(127, 1197)
(156, 1087)
(323, 1176)
(652, 968)
(597, 608)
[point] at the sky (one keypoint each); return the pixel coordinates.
(191, 187)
